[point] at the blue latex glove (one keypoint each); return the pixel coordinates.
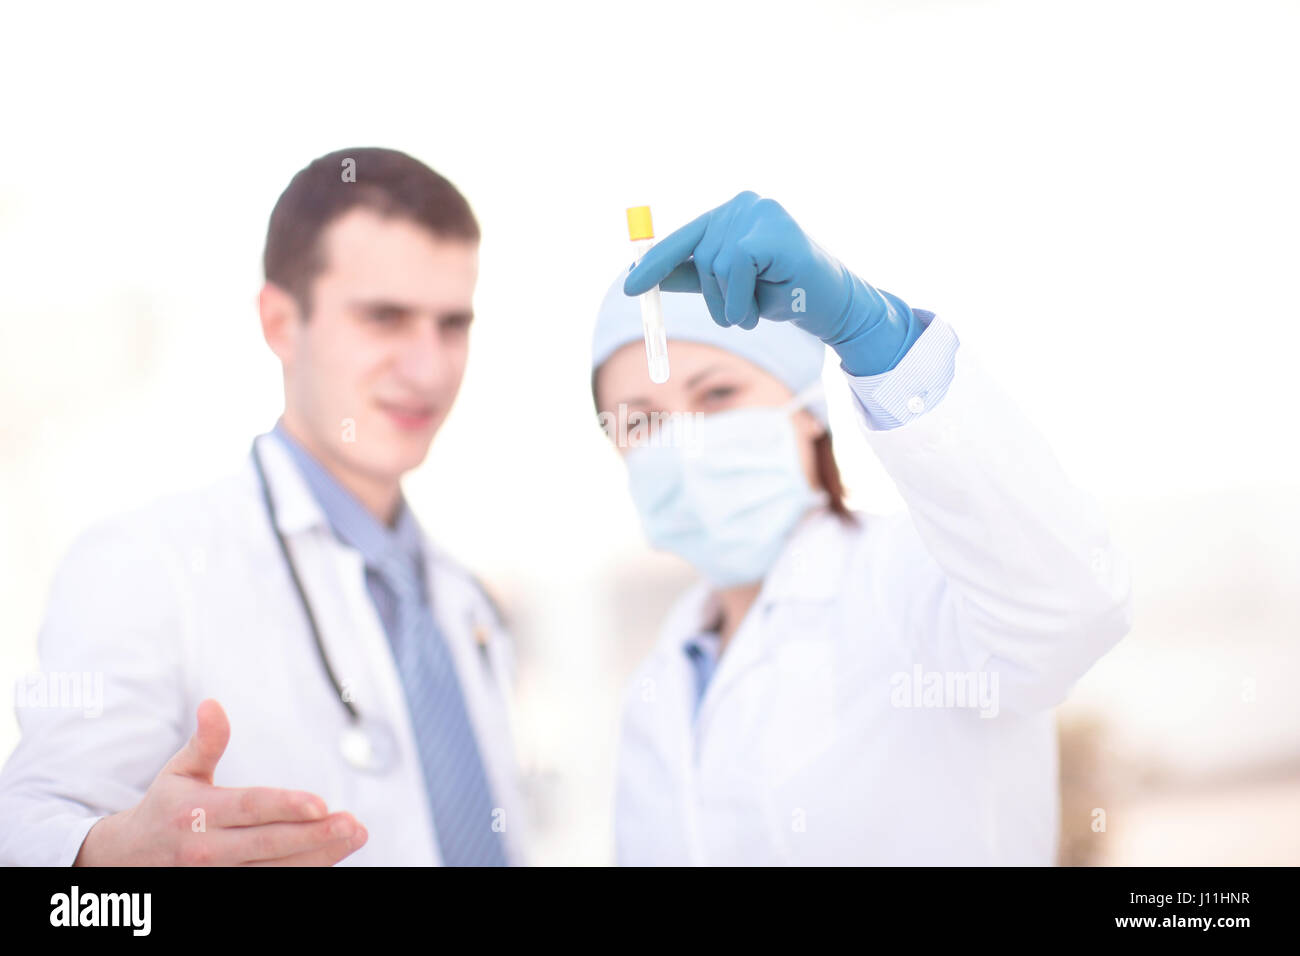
(751, 260)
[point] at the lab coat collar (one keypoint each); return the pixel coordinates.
(810, 568)
(296, 508)
(351, 521)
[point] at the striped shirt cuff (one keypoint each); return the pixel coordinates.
(916, 383)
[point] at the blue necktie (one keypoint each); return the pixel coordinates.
(453, 768)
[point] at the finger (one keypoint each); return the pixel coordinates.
(252, 806)
(713, 295)
(742, 275)
(684, 278)
(325, 856)
(199, 757)
(272, 841)
(666, 255)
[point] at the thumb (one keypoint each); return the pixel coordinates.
(199, 757)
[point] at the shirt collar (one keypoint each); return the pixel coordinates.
(703, 644)
(348, 517)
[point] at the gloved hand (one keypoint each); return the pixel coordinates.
(751, 260)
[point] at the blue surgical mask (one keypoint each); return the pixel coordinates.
(724, 490)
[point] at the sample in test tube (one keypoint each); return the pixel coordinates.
(642, 233)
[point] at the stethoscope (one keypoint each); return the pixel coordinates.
(367, 743)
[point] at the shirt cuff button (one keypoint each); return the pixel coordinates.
(916, 404)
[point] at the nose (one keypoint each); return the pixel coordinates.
(423, 360)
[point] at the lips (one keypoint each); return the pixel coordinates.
(409, 417)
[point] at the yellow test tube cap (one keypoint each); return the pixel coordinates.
(638, 223)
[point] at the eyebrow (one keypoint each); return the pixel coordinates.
(386, 305)
(380, 305)
(690, 383)
(702, 373)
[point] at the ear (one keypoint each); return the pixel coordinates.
(281, 319)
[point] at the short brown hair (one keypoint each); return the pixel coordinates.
(386, 181)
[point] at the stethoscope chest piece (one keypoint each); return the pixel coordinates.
(369, 745)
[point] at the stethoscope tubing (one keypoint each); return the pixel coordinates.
(353, 713)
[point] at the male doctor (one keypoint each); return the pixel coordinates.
(319, 686)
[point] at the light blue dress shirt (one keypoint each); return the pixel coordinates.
(891, 399)
(359, 528)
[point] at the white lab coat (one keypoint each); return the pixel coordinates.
(803, 750)
(189, 598)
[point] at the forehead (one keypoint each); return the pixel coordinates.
(394, 256)
(623, 374)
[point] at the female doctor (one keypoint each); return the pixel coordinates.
(839, 687)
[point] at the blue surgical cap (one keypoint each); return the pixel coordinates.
(782, 349)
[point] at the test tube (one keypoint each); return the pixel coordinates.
(642, 233)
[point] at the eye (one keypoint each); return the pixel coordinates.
(717, 395)
(385, 315)
(455, 323)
